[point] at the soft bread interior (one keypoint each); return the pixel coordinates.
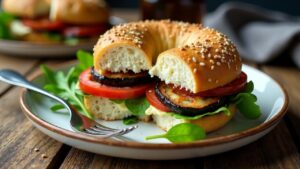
(162, 119)
(121, 59)
(171, 69)
(105, 109)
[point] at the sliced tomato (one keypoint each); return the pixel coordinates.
(154, 101)
(233, 87)
(87, 85)
(84, 31)
(43, 24)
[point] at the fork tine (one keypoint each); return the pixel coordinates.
(100, 126)
(122, 131)
(90, 131)
(106, 134)
(95, 128)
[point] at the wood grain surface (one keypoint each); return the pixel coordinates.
(23, 146)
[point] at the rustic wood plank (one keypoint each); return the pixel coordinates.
(274, 151)
(19, 138)
(290, 78)
(22, 65)
(78, 159)
(22, 145)
(81, 159)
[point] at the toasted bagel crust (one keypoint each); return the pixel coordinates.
(26, 8)
(79, 11)
(187, 55)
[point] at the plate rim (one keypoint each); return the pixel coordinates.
(130, 144)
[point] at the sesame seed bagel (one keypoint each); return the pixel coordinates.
(186, 55)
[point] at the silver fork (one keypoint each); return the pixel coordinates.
(79, 122)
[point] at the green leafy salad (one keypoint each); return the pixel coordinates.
(5, 20)
(65, 85)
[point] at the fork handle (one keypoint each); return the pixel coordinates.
(14, 78)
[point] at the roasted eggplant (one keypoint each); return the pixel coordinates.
(184, 104)
(121, 79)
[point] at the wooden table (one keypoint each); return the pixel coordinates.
(18, 137)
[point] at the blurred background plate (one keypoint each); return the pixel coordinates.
(34, 50)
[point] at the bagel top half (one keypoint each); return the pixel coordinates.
(79, 12)
(186, 55)
(26, 8)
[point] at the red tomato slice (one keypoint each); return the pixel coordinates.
(84, 31)
(89, 86)
(43, 24)
(233, 87)
(154, 101)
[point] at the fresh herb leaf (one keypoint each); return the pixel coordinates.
(71, 41)
(57, 107)
(137, 106)
(130, 120)
(5, 20)
(224, 109)
(249, 87)
(246, 102)
(86, 60)
(65, 85)
(183, 132)
(53, 36)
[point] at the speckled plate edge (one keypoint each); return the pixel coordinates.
(203, 143)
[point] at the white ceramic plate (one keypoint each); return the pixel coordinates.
(34, 50)
(238, 132)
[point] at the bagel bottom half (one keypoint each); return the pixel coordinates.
(209, 123)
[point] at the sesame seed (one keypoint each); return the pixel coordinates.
(44, 156)
(36, 149)
(194, 59)
(209, 80)
(202, 64)
(212, 67)
(195, 70)
(218, 63)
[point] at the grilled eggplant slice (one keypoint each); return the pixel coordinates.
(184, 104)
(121, 79)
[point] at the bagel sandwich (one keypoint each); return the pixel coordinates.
(57, 21)
(172, 72)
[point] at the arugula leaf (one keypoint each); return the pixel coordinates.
(183, 132)
(221, 109)
(71, 41)
(53, 36)
(249, 87)
(130, 120)
(246, 102)
(65, 85)
(57, 107)
(86, 60)
(5, 20)
(137, 106)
